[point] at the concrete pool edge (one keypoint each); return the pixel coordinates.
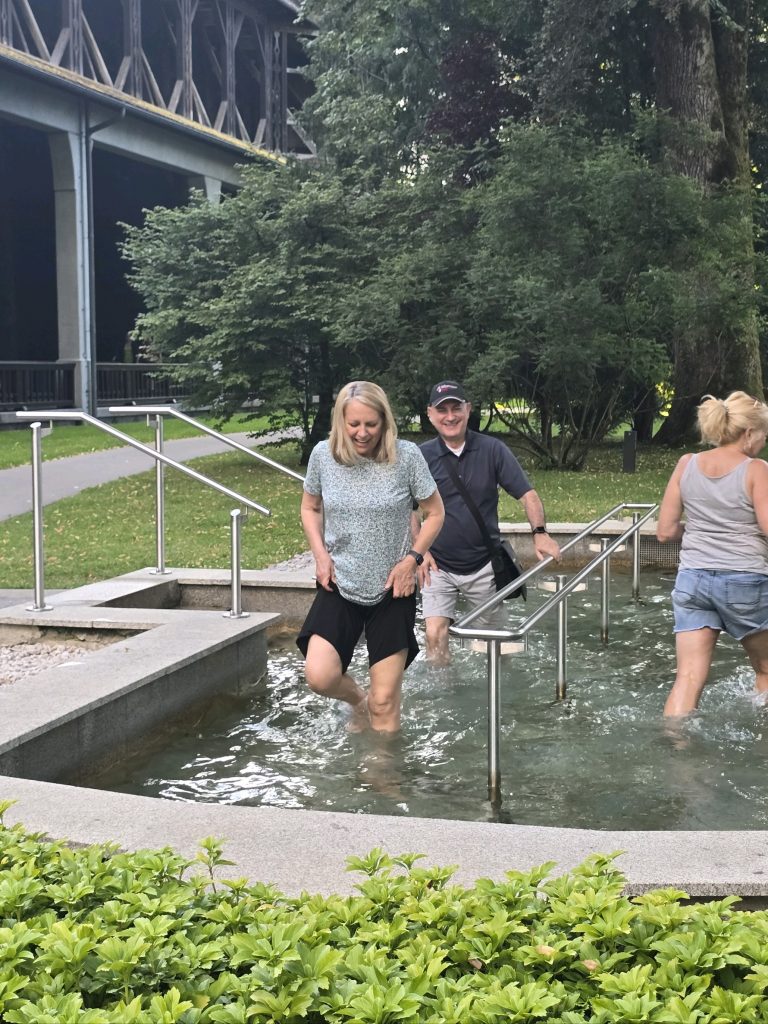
(301, 850)
(68, 720)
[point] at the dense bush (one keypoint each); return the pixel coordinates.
(95, 936)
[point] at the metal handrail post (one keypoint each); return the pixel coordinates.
(636, 558)
(562, 640)
(236, 611)
(494, 724)
(160, 570)
(37, 521)
(605, 590)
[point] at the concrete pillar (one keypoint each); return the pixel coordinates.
(71, 176)
(211, 186)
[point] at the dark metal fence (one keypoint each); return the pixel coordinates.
(135, 382)
(38, 385)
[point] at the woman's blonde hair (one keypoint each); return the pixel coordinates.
(724, 420)
(339, 441)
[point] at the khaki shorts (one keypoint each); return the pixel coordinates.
(445, 588)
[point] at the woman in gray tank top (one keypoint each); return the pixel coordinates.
(716, 505)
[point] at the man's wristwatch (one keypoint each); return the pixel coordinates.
(415, 555)
(539, 529)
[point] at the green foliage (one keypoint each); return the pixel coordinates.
(142, 945)
(393, 79)
(589, 261)
(243, 298)
(555, 286)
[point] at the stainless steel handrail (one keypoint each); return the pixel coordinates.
(170, 410)
(496, 636)
(77, 415)
(157, 412)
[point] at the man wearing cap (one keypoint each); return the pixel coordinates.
(459, 554)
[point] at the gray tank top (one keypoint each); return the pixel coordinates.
(721, 530)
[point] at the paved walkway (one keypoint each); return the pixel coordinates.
(63, 478)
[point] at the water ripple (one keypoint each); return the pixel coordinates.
(604, 758)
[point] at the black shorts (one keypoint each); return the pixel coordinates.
(388, 626)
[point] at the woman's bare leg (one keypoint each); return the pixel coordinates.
(384, 695)
(756, 647)
(694, 657)
(323, 674)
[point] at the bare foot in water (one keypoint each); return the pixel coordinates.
(359, 719)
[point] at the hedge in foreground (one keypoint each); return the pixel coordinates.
(95, 936)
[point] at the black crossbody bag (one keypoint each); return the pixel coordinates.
(504, 561)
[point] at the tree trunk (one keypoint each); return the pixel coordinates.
(644, 414)
(321, 424)
(701, 80)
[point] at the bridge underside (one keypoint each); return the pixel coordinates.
(110, 107)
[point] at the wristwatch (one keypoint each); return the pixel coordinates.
(415, 555)
(539, 529)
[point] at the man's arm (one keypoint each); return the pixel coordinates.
(543, 544)
(429, 565)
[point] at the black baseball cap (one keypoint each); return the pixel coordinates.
(447, 389)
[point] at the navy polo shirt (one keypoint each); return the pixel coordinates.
(485, 465)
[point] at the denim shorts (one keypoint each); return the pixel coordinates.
(734, 601)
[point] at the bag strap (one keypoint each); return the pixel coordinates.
(461, 488)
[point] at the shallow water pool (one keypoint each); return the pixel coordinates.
(602, 759)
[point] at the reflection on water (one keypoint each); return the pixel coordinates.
(602, 759)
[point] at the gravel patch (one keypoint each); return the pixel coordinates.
(303, 560)
(20, 661)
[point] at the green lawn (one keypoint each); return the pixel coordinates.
(78, 438)
(581, 497)
(110, 529)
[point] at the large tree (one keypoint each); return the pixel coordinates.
(246, 297)
(394, 79)
(687, 62)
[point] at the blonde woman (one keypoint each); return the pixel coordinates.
(358, 494)
(722, 581)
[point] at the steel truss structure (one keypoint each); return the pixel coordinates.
(233, 66)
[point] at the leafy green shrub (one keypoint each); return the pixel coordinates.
(96, 936)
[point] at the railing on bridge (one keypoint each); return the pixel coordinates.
(136, 382)
(41, 385)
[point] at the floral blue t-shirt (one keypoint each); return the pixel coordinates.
(367, 514)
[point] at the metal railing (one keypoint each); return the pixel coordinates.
(36, 383)
(563, 587)
(39, 385)
(128, 382)
(156, 413)
(78, 415)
